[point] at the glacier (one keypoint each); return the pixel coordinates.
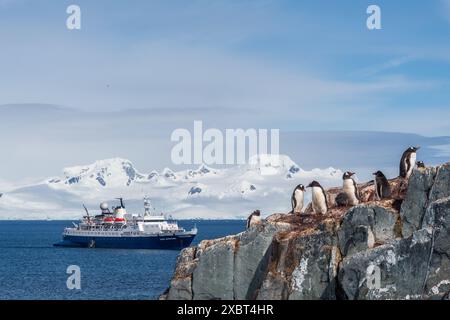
(265, 183)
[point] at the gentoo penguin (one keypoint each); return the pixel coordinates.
(420, 164)
(350, 188)
(319, 198)
(297, 199)
(253, 219)
(408, 162)
(342, 200)
(382, 188)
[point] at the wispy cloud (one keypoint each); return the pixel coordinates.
(386, 66)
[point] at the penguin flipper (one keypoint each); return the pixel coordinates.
(404, 165)
(356, 190)
(408, 165)
(387, 190)
(403, 173)
(325, 196)
(379, 191)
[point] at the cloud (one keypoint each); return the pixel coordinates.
(40, 140)
(134, 74)
(385, 66)
(169, 75)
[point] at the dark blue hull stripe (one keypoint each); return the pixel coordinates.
(167, 242)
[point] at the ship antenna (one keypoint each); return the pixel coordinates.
(87, 212)
(121, 202)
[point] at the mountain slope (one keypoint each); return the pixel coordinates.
(197, 193)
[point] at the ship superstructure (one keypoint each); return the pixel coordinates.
(118, 229)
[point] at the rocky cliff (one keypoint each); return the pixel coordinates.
(390, 249)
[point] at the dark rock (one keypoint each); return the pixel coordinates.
(437, 221)
(366, 225)
(425, 186)
(214, 273)
(441, 187)
(195, 190)
(227, 268)
(181, 284)
(416, 201)
(402, 269)
(251, 260)
(302, 267)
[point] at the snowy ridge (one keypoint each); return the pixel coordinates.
(266, 183)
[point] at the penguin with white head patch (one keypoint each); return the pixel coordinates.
(297, 199)
(382, 187)
(350, 188)
(319, 198)
(254, 219)
(420, 164)
(350, 193)
(408, 162)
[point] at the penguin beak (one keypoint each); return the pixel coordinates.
(417, 148)
(352, 174)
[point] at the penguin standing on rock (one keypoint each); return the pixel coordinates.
(319, 198)
(253, 219)
(382, 187)
(297, 199)
(351, 189)
(420, 165)
(408, 162)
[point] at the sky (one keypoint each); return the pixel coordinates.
(137, 70)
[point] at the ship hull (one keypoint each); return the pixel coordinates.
(172, 242)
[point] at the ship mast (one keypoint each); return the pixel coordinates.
(147, 207)
(87, 212)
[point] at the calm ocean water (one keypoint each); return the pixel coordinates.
(31, 268)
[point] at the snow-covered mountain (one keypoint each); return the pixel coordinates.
(112, 172)
(266, 183)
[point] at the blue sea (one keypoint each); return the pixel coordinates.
(31, 268)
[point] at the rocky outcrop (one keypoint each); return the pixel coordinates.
(365, 226)
(391, 249)
(228, 268)
(401, 267)
(302, 267)
(428, 185)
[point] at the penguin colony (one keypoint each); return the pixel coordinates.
(350, 195)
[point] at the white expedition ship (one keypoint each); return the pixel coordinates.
(117, 229)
